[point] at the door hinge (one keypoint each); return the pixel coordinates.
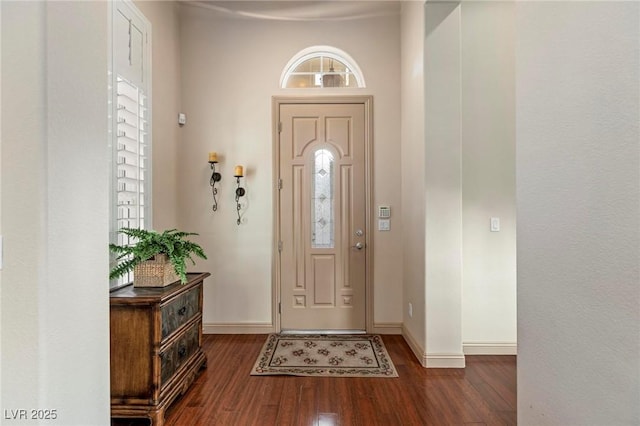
(280, 127)
(279, 246)
(279, 307)
(279, 183)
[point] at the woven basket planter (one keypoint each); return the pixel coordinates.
(155, 272)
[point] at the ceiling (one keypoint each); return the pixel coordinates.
(301, 10)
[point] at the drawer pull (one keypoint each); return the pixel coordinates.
(182, 311)
(182, 351)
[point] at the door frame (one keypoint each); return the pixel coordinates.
(276, 279)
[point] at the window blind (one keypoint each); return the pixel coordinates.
(130, 130)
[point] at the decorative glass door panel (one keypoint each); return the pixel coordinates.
(322, 199)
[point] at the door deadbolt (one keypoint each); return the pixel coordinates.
(359, 233)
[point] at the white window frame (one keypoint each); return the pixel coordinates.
(128, 9)
(321, 51)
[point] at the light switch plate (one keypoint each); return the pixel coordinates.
(495, 224)
(384, 225)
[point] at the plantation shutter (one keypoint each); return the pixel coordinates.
(131, 132)
(132, 149)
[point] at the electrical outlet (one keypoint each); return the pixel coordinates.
(410, 310)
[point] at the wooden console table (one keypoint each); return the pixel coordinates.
(156, 346)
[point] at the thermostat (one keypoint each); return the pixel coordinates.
(384, 211)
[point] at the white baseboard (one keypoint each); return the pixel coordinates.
(417, 350)
(490, 348)
(387, 328)
(425, 359)
(432, 360)
(237, 328)
(445, 361)
(266, 328)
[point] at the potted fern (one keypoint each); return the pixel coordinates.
(157, 259)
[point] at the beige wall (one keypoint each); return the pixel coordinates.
(231, 68)
(413, 176)
(458, 133)
(578, 186)
(1, 241)
(55, 199)
(443, 197)
(166, 93)
(488, 177)
(23, 133)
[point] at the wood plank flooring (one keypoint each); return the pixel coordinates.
(484, 393)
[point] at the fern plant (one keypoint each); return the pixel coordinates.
(150, 243)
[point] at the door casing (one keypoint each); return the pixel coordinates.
(367, 101)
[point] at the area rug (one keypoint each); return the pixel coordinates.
(359, 355)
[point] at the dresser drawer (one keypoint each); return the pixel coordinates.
(180, 311)
(179, 352)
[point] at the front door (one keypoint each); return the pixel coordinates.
(322, 221)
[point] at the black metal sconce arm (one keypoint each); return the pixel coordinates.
(240, 192)
(215, 178)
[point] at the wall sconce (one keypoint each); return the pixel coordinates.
(238, 173)
(215, 178)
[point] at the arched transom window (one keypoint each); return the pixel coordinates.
(321, 67)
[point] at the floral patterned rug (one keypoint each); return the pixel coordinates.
(359, 355)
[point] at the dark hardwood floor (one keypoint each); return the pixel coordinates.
(484, 393)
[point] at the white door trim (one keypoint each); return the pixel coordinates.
(367, 101)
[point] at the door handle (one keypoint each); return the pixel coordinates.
(358, 246)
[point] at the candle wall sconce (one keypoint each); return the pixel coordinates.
(240, 192)
(215, 178)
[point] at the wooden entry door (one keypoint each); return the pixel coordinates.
(322, 216)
